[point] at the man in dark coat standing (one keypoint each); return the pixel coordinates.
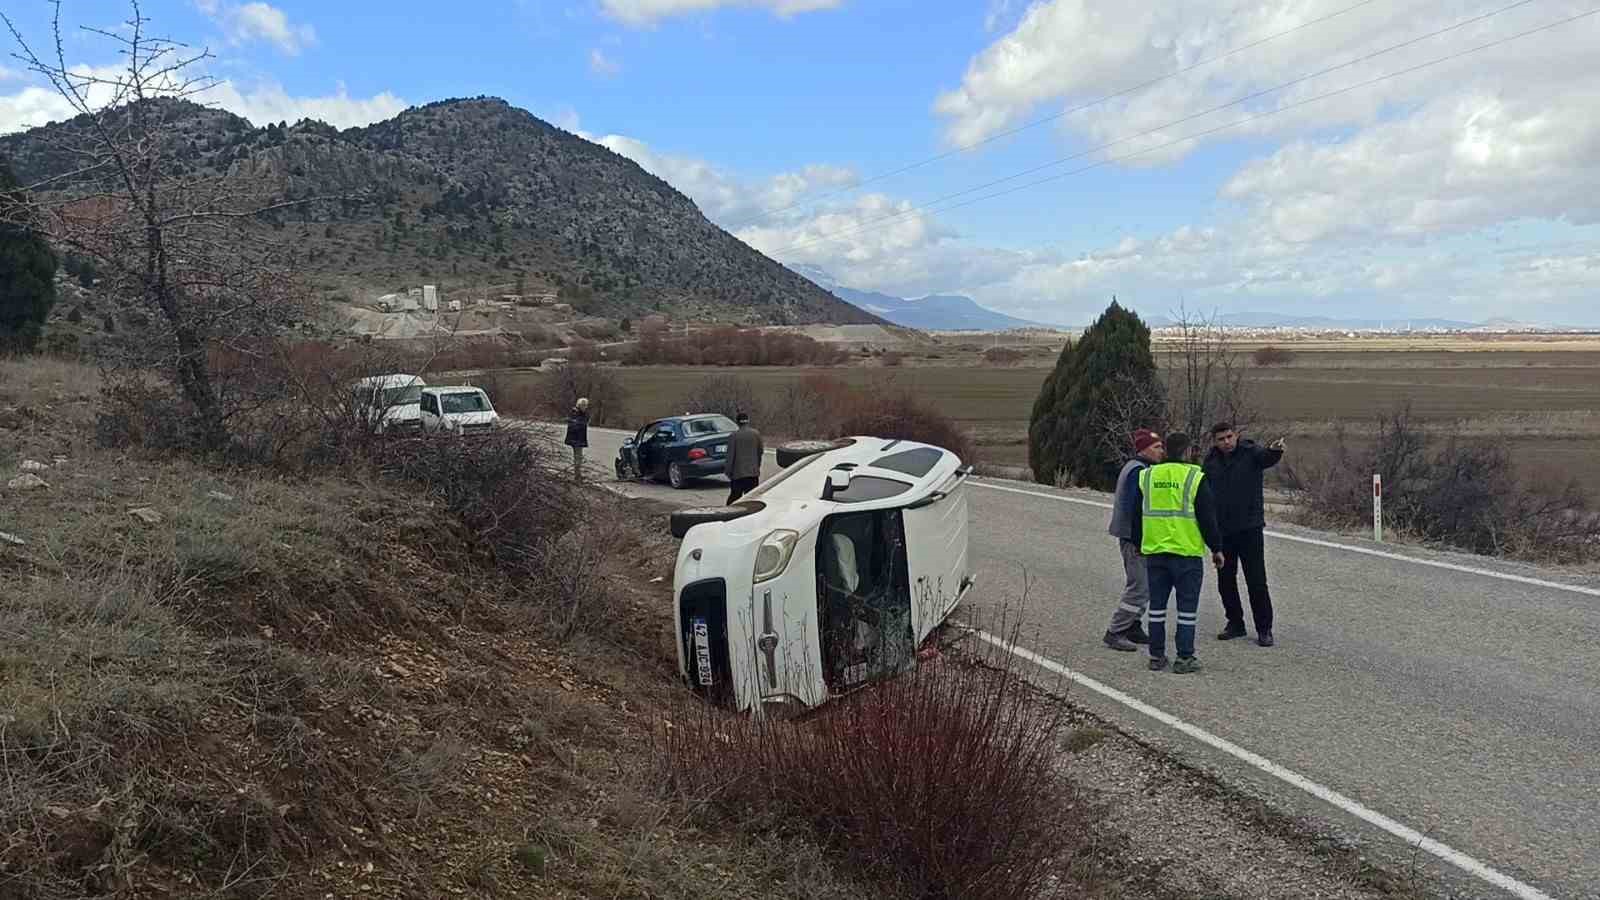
(745, 452)
(578, 435)
(1234, 470)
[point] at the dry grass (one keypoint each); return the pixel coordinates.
(327, 683)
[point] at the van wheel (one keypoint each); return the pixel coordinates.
(681, 520)
(676, 478)
(791, 452)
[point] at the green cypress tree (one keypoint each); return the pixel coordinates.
(1091, 385)
(27, 271)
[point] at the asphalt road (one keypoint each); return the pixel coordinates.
(1463, 705)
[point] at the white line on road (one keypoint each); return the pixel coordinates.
(1410, 835)
(1334, 545)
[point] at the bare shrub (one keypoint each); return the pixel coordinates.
(561, 388)
(500, 485)
(729, 346)
(899, 413)
(1447, 489)
(892, 358)
(726, 394)
(1205, 376)
(939, 783)
(1272, 356)
(1003, 356)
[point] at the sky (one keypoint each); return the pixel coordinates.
(1355, 158)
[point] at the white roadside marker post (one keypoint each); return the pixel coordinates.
(1377, 508)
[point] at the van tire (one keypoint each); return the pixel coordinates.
(681, 520)
(791, 452)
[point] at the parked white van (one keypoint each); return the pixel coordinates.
(463, 410)
(390, 403)
(823, 579)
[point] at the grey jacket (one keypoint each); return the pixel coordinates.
(1125, 505)
(744, 453)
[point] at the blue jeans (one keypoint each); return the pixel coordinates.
(1185, 574)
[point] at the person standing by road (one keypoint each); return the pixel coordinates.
(1125, 633)
(578, 435)
(1235, 469)
(745, 452)
(1176, 523)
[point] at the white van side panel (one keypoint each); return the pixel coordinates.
(937, 559)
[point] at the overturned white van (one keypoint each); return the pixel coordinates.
(823, 579)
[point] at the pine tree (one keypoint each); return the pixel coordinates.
(27, 274)
(1093, 383)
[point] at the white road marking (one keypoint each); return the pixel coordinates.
(1334, 545)
(1410, 835)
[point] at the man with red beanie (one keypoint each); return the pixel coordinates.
(1125, 633)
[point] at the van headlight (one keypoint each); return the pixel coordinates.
(773, 557)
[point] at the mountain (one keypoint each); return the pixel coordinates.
(944, 312)
(478, 197)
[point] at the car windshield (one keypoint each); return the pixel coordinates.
(401, 396)
(464, 402)
(710, 425)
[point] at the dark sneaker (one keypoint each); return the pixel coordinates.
(1184, 665)
(1158, 663)
(1264, 638)
(1136, 634)
(1231, 632)
(1118, 642)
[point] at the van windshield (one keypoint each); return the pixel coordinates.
(464, 402)
(401, 396)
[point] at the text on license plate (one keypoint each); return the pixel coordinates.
(702, 651)
(720, 449)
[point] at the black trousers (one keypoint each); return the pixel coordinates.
(1247, 549)
(740, 485)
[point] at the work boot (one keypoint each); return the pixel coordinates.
(1184, 665)
(1264, 638)
(1158, 663)
(1136, 634)
(1232, 631)
(1119, 642)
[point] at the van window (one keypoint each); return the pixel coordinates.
(430, 403)
(867, 487)
(915, 463)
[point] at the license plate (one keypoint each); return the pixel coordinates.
(720, 449)
(702, 651)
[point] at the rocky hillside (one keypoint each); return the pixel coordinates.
(481, 198)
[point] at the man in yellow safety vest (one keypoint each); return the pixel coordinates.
(1175, 526)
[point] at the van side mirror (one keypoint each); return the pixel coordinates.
(838, 480)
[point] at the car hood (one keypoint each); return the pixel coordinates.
(403, 413)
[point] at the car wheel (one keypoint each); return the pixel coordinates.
(676, 478)
(681, 520)
(791, 452)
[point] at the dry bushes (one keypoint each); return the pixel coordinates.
(732, 347)
(556, 392)
(824, 406)
(1272, 356)
(1442, 488)
(939, 783)
(1003, 356)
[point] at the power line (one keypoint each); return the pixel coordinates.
(933, 203)
(1037, 122)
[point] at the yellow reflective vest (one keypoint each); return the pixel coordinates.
(1169, 520)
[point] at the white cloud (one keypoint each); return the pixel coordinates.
(267, 102)
(260, 22)
(602, 65)
(640, 13)
(9, 74)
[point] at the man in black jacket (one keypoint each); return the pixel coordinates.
(1234, 470)
(578, 435)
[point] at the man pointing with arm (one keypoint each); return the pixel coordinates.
(1234, 467)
